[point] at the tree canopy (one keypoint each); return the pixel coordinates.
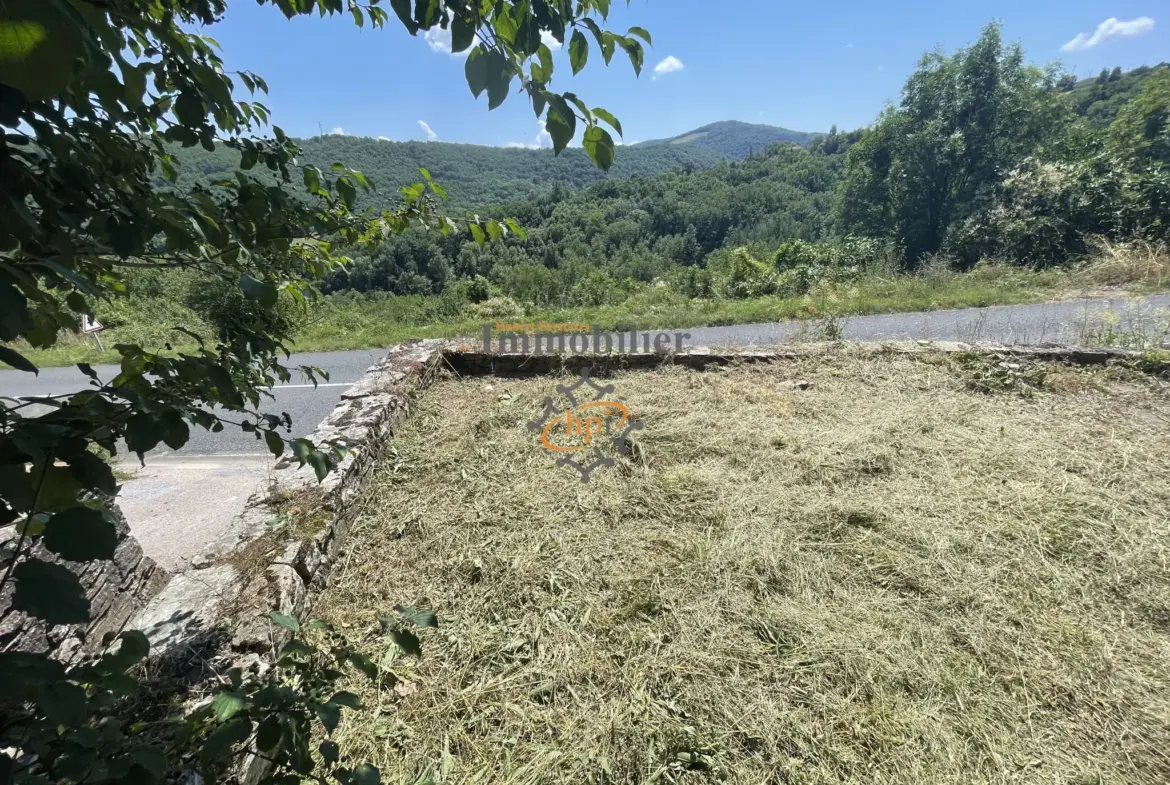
(95, 96)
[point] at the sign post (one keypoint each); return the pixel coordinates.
(94, 327)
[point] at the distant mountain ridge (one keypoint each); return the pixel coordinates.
(733, 138)
(478, 176)
(475, 176)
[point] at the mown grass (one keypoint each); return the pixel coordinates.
(342, 323)
(889, 576)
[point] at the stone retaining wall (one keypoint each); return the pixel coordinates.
(264, 562)
(116, 589)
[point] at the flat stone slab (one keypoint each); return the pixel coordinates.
(177, 504)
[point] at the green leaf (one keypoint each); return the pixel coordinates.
(329, 714)
(262, 291)
(226, 705)
(477, 234)
(599, 144)
(609, 118)
(407, 641)
(634, 51)
(312, 178)
(499, 78)
(402, 9)
(560, 122)
(364, 664)
(516, 228)
(39, 43)
(329, 751)
(268, 733)
(49, 592)
(17, 360)
(494, 231)
(81, 534)
(219, 744)
(152, 759)
(417, 616)
(642, 33)
(64, 704)
(462, 33)
(132, 649)
(23, 673)
(365, 774)
(475, 69)
(92, 472)
(578, 51)
(544, 71)
(320, 463)
(346, 699)
(189, 109)
(346, 191)
(274, 442)
(286, 621)
(175, 431)
(143, 433)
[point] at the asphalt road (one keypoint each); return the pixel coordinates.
(307, 405)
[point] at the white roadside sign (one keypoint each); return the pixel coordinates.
(90, 325)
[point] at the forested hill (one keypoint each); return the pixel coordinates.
(732, 138)
(475, 176)
(1100, 97)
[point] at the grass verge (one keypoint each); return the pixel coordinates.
(905, 571)
(346, 322)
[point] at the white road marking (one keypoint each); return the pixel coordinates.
(323, 384)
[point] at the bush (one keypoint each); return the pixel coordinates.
(737, 274)
(495, 308)
(222, 305)
(691, 282)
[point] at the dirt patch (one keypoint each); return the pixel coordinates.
(890, 574)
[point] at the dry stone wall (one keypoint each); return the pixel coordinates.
(116, 590)
(278, 551)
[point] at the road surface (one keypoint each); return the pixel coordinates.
(178, 500)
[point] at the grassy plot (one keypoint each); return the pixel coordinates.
(935, 570)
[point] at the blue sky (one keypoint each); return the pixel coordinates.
(800, 65)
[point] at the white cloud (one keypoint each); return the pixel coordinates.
(1110, 28)
(848, 46)
(439, 40)
(338, 131)
(431, 135)
(543, 139)
(547, 39)
(668, 65)
(384, 139)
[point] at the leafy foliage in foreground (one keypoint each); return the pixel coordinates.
(94, 97)
(70, 723)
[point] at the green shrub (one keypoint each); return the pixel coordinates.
(495, 308)
(737, 274)
(222, 305)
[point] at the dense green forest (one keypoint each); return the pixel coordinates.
(475, 176)
(733, 138)
(985, 157)
(1100, 97)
